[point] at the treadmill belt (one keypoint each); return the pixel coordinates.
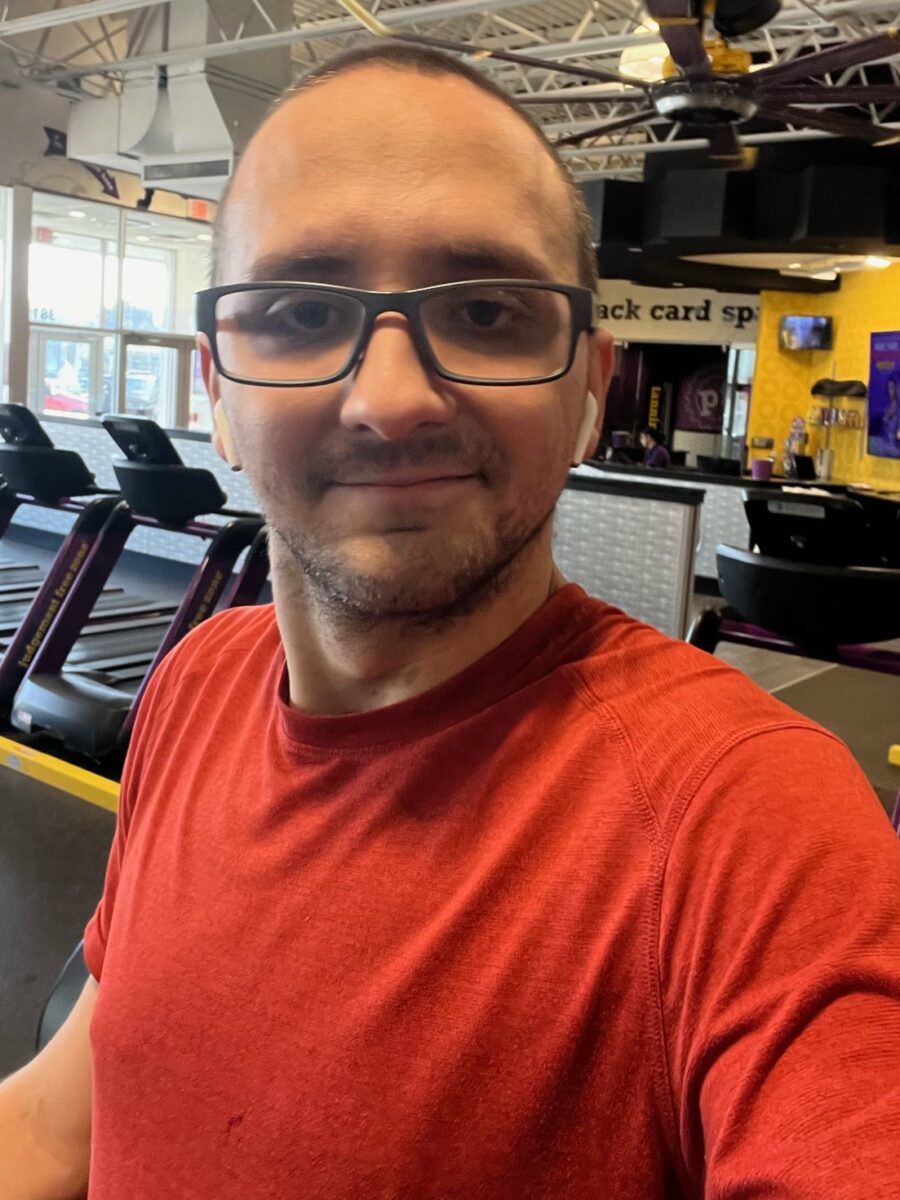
(99, 647)
(22, 576)
(13, 613)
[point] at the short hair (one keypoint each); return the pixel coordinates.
(433, 62)
(657, 434)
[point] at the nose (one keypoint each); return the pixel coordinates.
(392, 392)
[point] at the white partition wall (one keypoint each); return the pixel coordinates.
(631, 545)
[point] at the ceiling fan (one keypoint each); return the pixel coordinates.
(709, 85)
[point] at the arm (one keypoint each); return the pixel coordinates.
(779, 959)
(45, 1115)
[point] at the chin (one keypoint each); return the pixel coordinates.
(405, 575)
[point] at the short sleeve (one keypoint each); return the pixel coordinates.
(779, 964)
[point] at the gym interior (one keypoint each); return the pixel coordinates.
(748, 243)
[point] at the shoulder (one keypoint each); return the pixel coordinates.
(209, 651)
(678, 710)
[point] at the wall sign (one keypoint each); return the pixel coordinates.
(701, 400)
(634, 313)
(884, 395)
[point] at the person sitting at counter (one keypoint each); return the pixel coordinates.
(655, 452)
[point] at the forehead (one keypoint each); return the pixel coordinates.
(390, 166)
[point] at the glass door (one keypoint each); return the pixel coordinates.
(155, 378)
(69, 375)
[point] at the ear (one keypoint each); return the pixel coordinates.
(601, 365)
(222, 439)
(601, 368)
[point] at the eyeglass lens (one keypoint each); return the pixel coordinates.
(295, 335)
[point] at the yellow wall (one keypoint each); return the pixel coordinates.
(868, 302)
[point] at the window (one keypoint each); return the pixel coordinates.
(103, 284)
(72, 263)
(166, 262)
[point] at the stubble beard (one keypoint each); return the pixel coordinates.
(424, 578)
(425, 586)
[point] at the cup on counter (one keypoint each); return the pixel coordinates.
(761, 468)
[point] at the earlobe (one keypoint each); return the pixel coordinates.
(586, 430)
(223, 442)
(222, 439)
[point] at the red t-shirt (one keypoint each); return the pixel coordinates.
(595, 919)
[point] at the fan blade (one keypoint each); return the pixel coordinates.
(681, 28)
(608, 127)
(526, 60)
(578, 96)
(821, 93)
(724, 145)
(836, 123)
(836, 58)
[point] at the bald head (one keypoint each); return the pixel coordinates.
(405, 130)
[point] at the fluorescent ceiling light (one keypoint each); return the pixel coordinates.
(76, 212)
(877, 261)
(141, 237)
(204, 237)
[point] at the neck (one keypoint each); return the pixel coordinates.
(334, 669)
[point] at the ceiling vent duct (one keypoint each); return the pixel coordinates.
(182, 128)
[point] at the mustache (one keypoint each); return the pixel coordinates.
(443, 449)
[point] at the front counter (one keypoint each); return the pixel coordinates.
(722, 515)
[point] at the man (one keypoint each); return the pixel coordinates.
(655, 453)
(442, 880)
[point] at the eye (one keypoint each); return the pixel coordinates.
(309, 315)
(484, 312)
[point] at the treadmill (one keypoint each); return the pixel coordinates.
(83, 687)
(35, 472)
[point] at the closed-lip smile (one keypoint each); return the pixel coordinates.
(405, 479)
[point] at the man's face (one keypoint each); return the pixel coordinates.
(395, 491)
(644, 440)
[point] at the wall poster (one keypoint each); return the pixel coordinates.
(884, 395)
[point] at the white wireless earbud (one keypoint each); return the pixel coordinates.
(226, 441)
(586, 429)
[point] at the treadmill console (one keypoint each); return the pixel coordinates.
(142, 440)
(20, 427)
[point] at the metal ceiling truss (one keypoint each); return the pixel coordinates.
(89, 46)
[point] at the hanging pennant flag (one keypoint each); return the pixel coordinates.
(56, 142)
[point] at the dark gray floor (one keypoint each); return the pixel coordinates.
(862, 708)
(53, 851)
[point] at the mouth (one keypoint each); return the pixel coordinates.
(408, 480)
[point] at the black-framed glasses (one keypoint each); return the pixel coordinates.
(484, 331)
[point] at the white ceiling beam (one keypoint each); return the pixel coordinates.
(335, 27)
(38, 22)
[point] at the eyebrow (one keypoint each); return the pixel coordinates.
(449, 261)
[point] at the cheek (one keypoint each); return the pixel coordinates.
(274, 430)
(537, 433)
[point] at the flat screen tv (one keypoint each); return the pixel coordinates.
(805, 333)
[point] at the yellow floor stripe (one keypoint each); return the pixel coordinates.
(59, 774)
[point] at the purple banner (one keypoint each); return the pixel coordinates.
(884, 395)
(701, 399)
